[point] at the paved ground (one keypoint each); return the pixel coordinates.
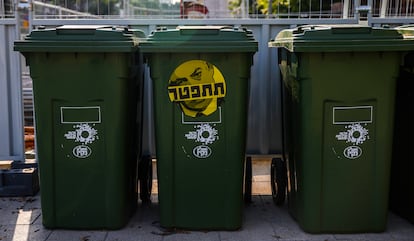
(20, 220)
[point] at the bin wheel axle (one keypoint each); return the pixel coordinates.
(278, 180)
(248, 181)
(145, 178)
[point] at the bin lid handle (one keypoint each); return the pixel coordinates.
(201, 30)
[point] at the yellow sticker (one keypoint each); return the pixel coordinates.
(196, 85)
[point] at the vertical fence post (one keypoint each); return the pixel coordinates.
(11, 108)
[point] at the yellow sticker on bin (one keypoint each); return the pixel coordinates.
(197, 85)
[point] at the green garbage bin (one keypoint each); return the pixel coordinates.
(201, 84)
(338, 102)
(86, 83)
(402, 167)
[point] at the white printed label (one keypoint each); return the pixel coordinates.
(366, 113)
(352, 152)
(83, 133)
(83, 114)
(355, 120)
(355, 134)
(202, 151)
(205, 134)
(82, 151)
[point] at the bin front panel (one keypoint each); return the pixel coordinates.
(85, 105)
(339, 141)
(201, 158)
(200, 76)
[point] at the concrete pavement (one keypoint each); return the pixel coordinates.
(20, 220)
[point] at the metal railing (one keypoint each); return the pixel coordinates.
(7, 9)
(292, 12)
(279, 10)
(50, 10)
(121, 9)
(132, 9)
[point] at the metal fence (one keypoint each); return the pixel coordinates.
(290, 12)
(122, 9)
(34, 12)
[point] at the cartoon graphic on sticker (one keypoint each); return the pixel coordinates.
(198, 86)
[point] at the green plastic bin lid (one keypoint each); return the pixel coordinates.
(200, 39)
(406, 30)
(80, 38)
(341, 38)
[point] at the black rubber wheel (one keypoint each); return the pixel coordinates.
(248, 181)
(278, 180)
(145, 179)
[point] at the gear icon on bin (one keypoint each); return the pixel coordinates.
(206, 134)
(85, 134)
(357, 134)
